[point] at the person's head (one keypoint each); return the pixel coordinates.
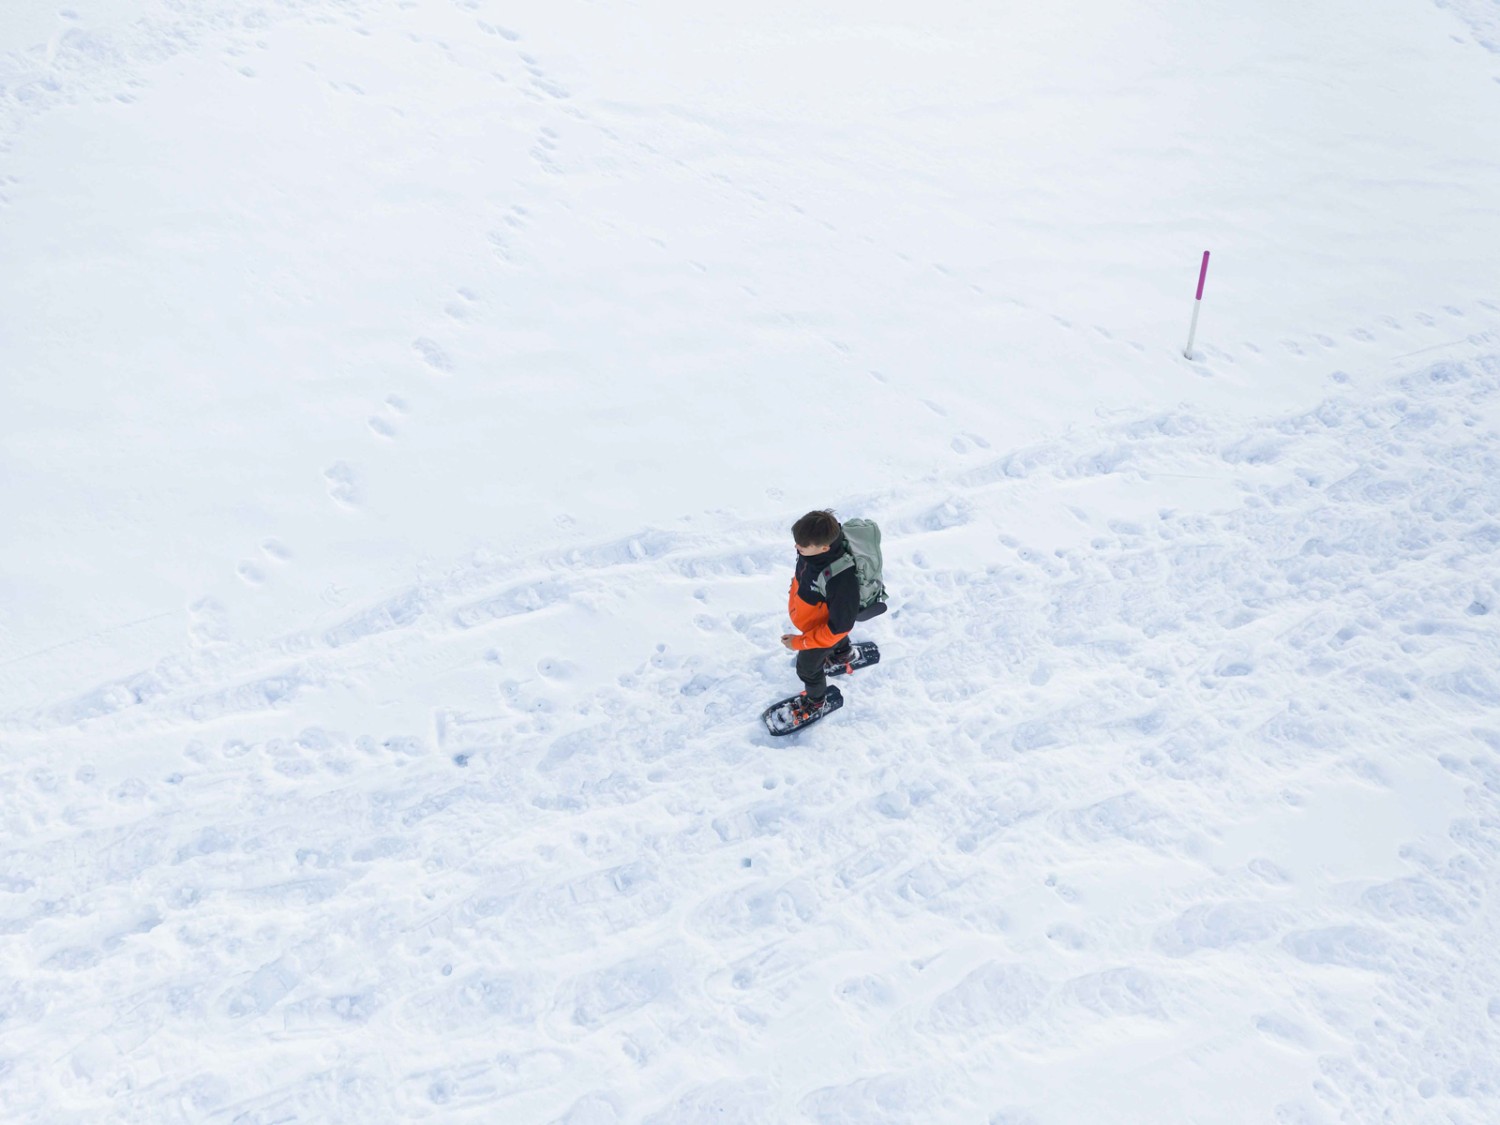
(815, 532)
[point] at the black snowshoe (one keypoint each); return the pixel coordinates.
(795, 712)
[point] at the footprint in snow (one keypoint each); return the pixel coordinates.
(556, 668)
(343, 484)
(433, 355)
(208, 622)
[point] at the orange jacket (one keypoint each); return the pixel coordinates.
(809, 614)
(811, 621)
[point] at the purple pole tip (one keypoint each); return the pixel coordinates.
(1202, 276)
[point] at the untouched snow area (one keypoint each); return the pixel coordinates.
(404, 407)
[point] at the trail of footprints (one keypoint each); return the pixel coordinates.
(342, 480)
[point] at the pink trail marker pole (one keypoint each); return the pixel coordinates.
(1197, 304)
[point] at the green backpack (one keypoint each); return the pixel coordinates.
(863, 537)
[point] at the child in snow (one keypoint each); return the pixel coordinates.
(822, 605)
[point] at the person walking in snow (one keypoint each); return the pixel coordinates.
(823, 603)
(838, 581)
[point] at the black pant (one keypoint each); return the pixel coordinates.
(810, 666)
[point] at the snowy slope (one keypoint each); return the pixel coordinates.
(375, 285)
(405, 404)
(1200, 804)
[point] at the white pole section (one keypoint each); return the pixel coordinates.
(1197, 304)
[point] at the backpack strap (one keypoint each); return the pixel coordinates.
(836, 567)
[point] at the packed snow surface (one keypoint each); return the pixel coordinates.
(405, 403)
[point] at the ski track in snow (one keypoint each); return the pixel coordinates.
(1098, 795)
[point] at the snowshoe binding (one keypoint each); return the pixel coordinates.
(860, 656)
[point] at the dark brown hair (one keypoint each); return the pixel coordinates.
(817, 529)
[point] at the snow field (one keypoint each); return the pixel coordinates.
(404, 405)
(289, 273)
(1227, 768)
